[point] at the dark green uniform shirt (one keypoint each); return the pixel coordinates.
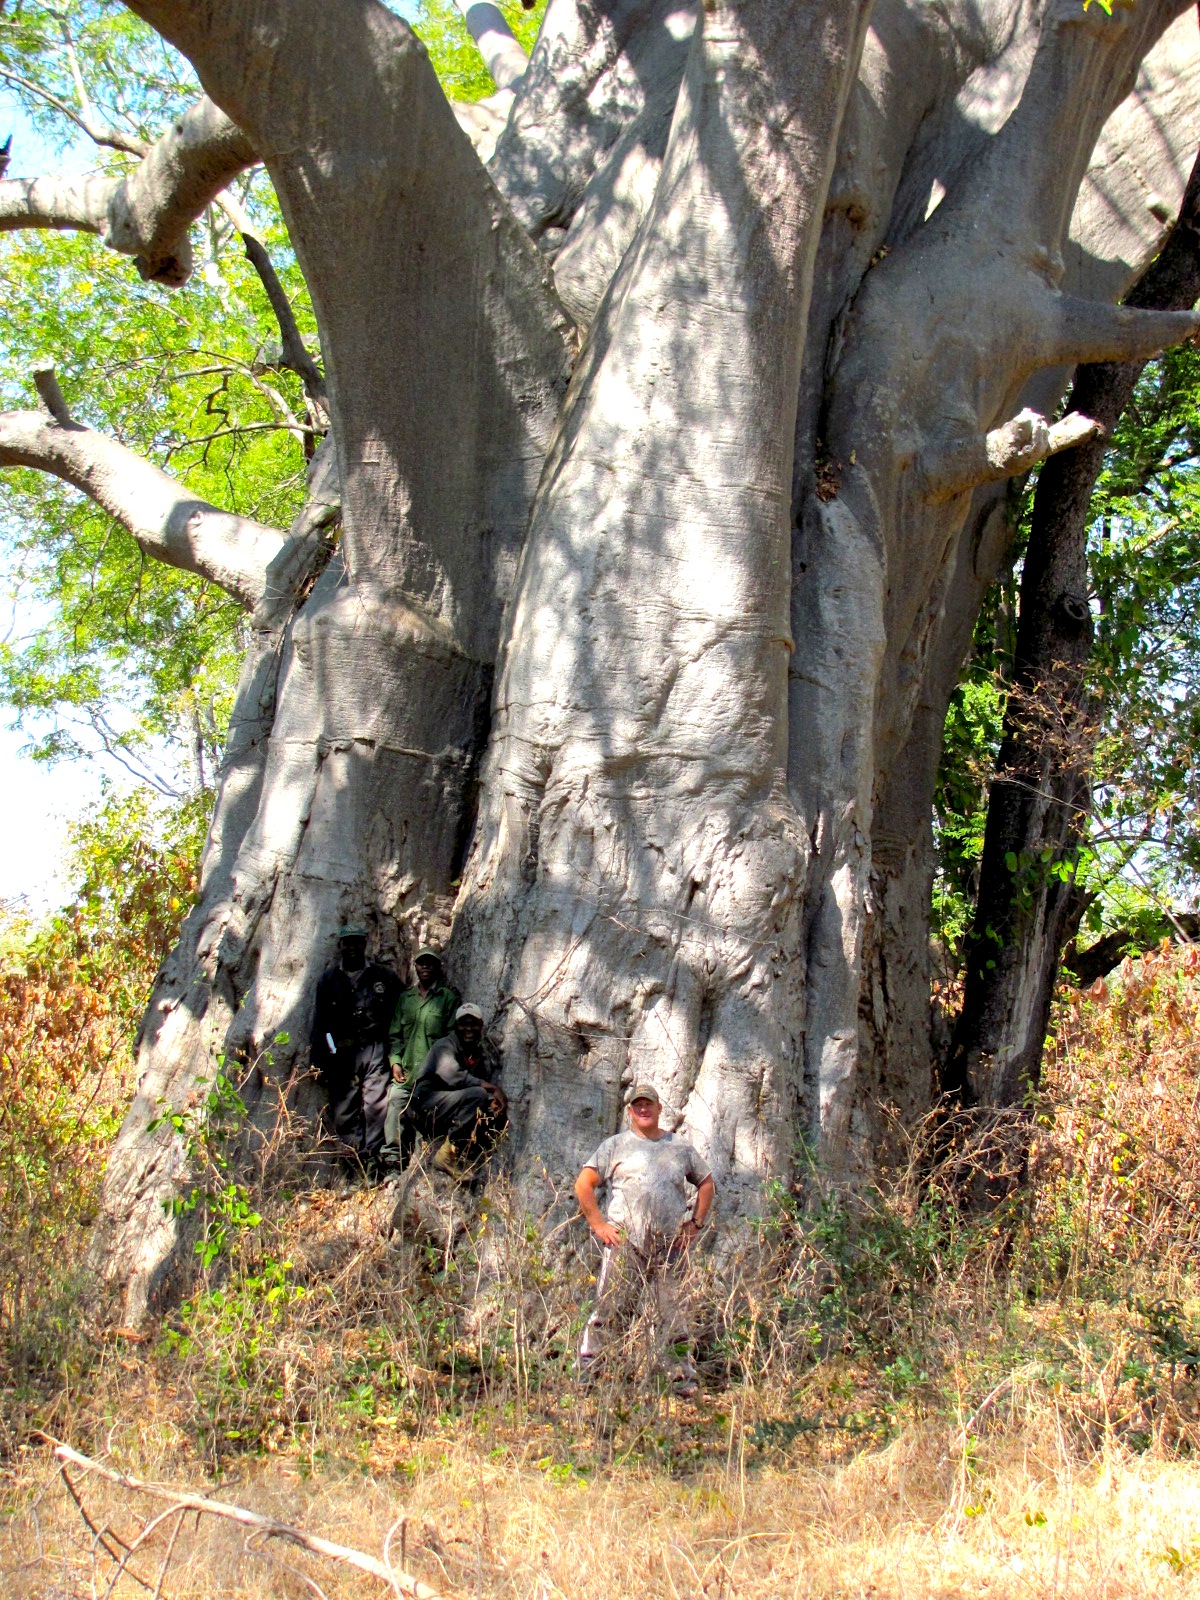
(418, 1024)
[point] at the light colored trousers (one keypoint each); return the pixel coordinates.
(652, 1282)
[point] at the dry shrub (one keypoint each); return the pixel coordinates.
(1117, 1166)
(64, 1082)
(72, 991)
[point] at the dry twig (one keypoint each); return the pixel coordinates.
(402, 1583)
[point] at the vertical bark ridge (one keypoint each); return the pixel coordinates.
(639, 747)
(596, 67)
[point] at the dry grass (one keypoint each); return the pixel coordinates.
(898, 1399)
(1023, 1515)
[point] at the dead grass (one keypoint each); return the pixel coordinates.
(1020, 1515)
(898, 1399)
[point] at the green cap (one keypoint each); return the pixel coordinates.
(428, 950)
(351, 930)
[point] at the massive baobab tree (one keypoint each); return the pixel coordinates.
(670, 450)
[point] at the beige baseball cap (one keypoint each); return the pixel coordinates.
(643, 1091)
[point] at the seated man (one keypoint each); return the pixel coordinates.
(354, 1005)
(456, 1098)
(424, 1014)
(646, 1233)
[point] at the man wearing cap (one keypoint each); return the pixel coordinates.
(647, 1232)
(456, 1098)
(354, 1005)
(424, 1014)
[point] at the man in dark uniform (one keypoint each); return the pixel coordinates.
(424, 1014)
(456, 1098)
(354, 1006)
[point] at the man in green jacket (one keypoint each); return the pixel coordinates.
(424, 1014)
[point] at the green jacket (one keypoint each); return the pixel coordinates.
(418, 1024)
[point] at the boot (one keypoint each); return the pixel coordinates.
(449, 1161)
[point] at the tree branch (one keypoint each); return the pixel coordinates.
(168, 523)
(483, 121)
(1098, 960)
(112, 138)
(146, 214)
(295, 356)
(1003, 452)
(182, 1499)
(1087, 331)
(496, 42)
(45, 382)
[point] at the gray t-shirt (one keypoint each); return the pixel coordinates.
(647, 1182)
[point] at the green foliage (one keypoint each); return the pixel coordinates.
(134, 863)
(1145, 560)
(456, 61)
(113, 652)
(970, 740)
(1143, 850)
(208, 1127)
(118, 652)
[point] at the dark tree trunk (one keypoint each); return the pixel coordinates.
(1028, 906)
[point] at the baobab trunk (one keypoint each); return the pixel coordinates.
(634, 900)
(446, 355)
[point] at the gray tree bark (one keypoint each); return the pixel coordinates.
(655, 663)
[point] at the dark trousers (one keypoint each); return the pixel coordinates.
(377, 1077)
(464, 1116)
(358, 1100)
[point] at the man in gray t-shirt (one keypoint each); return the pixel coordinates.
(647, 1231)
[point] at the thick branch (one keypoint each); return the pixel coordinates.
(168, 523)
(1004, 452)
(1098, 960)
(497, 44)
(400, 1582)
(483, 121)
(65, 203)
(146, 214)
(45, 381)
(1089, 332)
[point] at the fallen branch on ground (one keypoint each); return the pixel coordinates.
(401, 1583)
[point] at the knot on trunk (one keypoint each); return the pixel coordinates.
(1072, 615)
